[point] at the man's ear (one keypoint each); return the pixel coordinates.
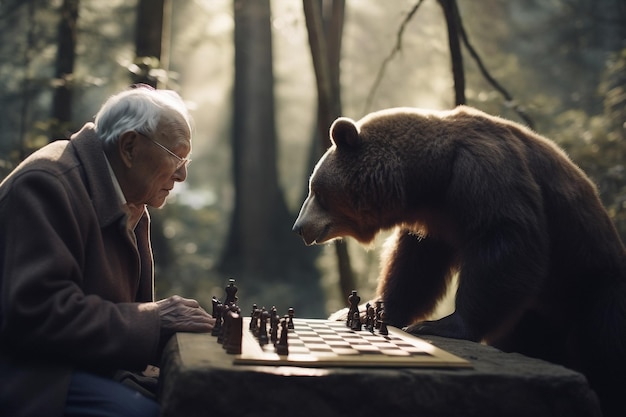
(127, 147)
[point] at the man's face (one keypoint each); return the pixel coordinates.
(157, 170)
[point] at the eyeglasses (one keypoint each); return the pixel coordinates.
(182, 162)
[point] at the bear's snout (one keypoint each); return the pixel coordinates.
(310, 233)
(299, 229)
(311, 223)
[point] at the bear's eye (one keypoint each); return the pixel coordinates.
(321, 201)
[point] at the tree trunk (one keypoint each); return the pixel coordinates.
(451, 13)
(325, 52)
(66, 54)
(26, 83)
(261, 248)
(254, 138)
(148, 42)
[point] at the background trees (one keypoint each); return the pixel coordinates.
(247, 71)
(260, 249)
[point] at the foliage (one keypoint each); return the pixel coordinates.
(562, 61)
(598, 142)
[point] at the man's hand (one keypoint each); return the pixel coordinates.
(180, 314)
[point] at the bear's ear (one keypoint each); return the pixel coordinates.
(344, 132)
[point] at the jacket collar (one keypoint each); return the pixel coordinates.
(91, 155)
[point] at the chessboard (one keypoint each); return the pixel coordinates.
(324, 343)
(363, 340)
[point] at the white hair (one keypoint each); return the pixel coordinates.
(138, 109)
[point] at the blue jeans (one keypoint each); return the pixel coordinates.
(94, 396)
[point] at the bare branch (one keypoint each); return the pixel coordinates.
(397, 48)
(509, 100)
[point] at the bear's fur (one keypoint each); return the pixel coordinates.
(541, 267)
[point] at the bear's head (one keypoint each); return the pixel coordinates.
(355, 188)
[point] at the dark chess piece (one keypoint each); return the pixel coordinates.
(291, 313)
(226, 321)
(356, 322)
(354, 301)
(252, 322)
(217, 327)
(370, 317)
(274, 332)
(256, 322)
(282, 346)
(231, 291)
(232, 319)
(378, 310)
(219, 322)
(383, 325)
(263, 339)
(274, 322)
(214, 302)
(232, 343)
(274, 313)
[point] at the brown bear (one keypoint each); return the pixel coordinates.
(541, 268)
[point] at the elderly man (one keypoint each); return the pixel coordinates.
(76, 268)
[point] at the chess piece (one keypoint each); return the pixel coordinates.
(356, 322)
(379, 308)
(214, 302)
(217, 327)
(232, 342)
(263, 339)
(370, 317)
(354, 301)
(223, 337)
(383, 325)
(256, 322)
(282, 347)
(274, 315)
(252, 318)
(274, 323)
(231, 291)
(274, 331)
(291, 313)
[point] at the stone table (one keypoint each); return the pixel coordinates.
(199, 379)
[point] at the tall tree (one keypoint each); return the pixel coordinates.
(325, 29)
(260, 246)
(451, 14)
(26, 88)
(66, 56)
(148, 68)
